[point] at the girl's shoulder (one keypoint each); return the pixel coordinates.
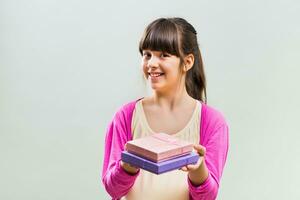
(211, 117)
(122, 118)
(125, 111)
(213, 125)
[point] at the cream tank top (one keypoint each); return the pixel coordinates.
(170, 185)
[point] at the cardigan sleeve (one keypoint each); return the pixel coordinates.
(117, 182)
(214, 137)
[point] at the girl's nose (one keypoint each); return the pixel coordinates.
(153, 62)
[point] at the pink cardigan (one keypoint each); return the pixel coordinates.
(213, 136)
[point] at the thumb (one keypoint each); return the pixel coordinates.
(201, 150)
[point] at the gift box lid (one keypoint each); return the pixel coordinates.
(159, 147)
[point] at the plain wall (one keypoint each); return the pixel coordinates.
(67, 66)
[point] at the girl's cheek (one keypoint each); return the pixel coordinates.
(145, 70)
(144, 66)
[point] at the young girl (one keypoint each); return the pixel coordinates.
(172, 64)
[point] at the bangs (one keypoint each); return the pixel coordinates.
(161, 35)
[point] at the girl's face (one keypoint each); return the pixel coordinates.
(161, 69)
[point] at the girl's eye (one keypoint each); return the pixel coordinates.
(146, 55)
(165, 55)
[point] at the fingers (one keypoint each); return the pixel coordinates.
(201, 150)
(195, 166)
(192, 167)
(184, 168)
(129, 168)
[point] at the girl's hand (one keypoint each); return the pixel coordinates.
(129, 168)
(197, 172)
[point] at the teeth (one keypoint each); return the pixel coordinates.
(155, 74)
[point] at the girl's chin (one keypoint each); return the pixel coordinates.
(157, 87)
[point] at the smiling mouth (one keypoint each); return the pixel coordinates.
(155, 74)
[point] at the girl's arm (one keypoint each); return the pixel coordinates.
(214, 138)
(116, 180)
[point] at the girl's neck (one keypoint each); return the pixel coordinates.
(171, 100)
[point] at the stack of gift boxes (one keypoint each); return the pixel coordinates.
(159, 153)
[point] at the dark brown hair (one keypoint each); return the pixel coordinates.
(178, 37)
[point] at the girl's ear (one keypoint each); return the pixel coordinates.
(188, 62)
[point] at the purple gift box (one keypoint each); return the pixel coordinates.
(159, 167)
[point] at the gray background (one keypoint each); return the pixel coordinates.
(67, 66)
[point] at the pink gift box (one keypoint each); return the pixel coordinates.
(159, 147)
